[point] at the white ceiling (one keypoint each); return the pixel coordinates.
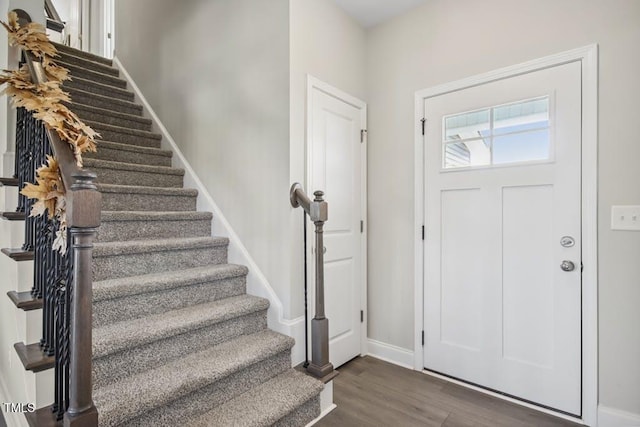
(372, 12)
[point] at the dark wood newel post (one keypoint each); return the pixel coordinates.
(83, 216)
(319, 367)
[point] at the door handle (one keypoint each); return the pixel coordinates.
(567, 266)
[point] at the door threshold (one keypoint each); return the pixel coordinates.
(506, 397)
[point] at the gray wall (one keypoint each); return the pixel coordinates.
(327, 44)
(217, 74)
(447, 40)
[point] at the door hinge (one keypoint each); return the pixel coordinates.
(361, 226)
(363, 133)
(361, 316)
(423, 338)
(581, 267)
(423, 232)
(423, 121)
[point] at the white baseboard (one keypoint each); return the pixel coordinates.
(323, 414)
(296, 331)
(13, 419)
(390, 353)
(326, 403)
(611, 417)
(257, 283)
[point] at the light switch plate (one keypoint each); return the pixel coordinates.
(625, 218)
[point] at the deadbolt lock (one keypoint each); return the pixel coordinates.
(567, 241)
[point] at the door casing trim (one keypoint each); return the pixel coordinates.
(588, 57)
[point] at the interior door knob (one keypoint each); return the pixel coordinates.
(567, 266)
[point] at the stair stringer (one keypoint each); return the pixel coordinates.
(257, 283)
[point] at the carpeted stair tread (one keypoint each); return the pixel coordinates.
(67, 49)
(106, 249)
(265, 404)
(119, 336)
(116, 151)
(117, 197)
(79, 61)
(139, 189)
(125, 173)
(153, 216)
(102, 101)
(122, 166)
(112, 260)
(109, 116)
(121, 401)
(154, 282)
(97, 126)
(94, 76)
(144, 225)
(83, 84)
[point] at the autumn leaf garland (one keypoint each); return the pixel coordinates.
(46, 102)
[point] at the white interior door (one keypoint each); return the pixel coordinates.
(502, 214)
(335, 151)
(75, 14)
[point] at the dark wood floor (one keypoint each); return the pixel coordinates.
(370, 392)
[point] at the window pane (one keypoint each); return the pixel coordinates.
(467, 153)
(521, 147)
(466, 125)
(520, 116)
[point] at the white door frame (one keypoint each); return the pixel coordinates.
(314, 83)
(84, 24)
(108, 26)
(588, 57)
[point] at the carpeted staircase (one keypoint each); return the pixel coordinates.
(176, 339)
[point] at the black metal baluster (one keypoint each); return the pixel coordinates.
(48, 302)
(44, 235)
(20, 156)
(62, 324)
(61, 364)
(30, 174)
(66, 332)
(38, 259)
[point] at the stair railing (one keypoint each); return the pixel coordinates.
(317, 209)
(54, 22)
(63, 281)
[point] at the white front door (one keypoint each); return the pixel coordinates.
(335, 163)
(503, 224)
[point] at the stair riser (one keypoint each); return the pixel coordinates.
(91, 65)
(107, 104)
(125, 138)
(113, 231)
(147, 202)
(136, 306)
(145, 179)
(107, 119)
(180, 411)
(138, 359)
(104, 79)
(99, 90)
(105, 153)
(302, 415)
(63, 49)
(113, 267)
